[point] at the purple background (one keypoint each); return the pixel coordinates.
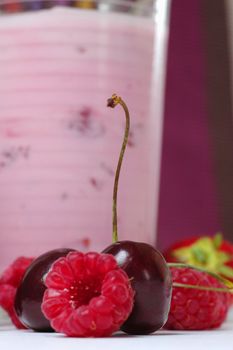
(188, 196)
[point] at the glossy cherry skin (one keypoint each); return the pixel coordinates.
(152, 282)
(31, 290)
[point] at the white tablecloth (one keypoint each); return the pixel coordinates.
(221, 339)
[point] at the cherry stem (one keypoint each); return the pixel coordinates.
(228, 284)
(113, 102)
(221, 279)
(211, 289)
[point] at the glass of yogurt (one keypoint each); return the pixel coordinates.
(59, 144)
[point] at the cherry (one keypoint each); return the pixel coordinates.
(31, 290)
(151, 281)
(145, 266)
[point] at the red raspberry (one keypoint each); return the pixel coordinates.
(9, 281)
(7, 296)
(88, 295)
(15, 272)
(195, 309)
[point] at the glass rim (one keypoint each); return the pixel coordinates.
(154, 9)
(128, 5)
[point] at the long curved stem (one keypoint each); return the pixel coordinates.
(113, 102)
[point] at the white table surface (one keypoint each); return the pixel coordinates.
(221, 339)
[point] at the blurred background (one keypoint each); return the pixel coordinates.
(196, 193)
(196, 182)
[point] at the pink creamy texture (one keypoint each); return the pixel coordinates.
(59, 144)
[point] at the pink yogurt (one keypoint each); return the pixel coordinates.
(59, 144)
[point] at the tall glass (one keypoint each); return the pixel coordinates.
(59, 144)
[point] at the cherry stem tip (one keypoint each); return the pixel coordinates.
(113, 101)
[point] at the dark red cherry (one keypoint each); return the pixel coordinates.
(31, 290)
(152, 282)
